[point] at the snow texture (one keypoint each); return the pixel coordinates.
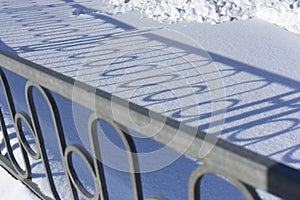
(285, 13)
(13, 189)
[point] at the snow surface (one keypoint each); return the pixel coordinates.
(257, 62)
(13, 189)
(285, 13)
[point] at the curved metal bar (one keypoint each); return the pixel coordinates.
(8, 95)
(20, 173)
(130, 149)
(58, 130)
(95, 148)
(197, 175)
(19, 117)
(88, 160)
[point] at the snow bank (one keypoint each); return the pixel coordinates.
(285, 13)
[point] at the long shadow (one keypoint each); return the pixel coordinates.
(266, 75)
(6, 48)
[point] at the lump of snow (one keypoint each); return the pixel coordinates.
(285, 13)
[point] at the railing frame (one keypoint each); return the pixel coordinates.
(245, 169)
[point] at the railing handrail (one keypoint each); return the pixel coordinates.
(229, 159)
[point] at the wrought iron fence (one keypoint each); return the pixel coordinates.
(247, 170)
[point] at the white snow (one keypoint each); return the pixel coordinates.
(285, 13)
(258, 64)
(13, 189)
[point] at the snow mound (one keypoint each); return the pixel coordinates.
(285, 13)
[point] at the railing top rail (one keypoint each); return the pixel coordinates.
(249, 167)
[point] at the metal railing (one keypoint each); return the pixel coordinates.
(247, 170)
